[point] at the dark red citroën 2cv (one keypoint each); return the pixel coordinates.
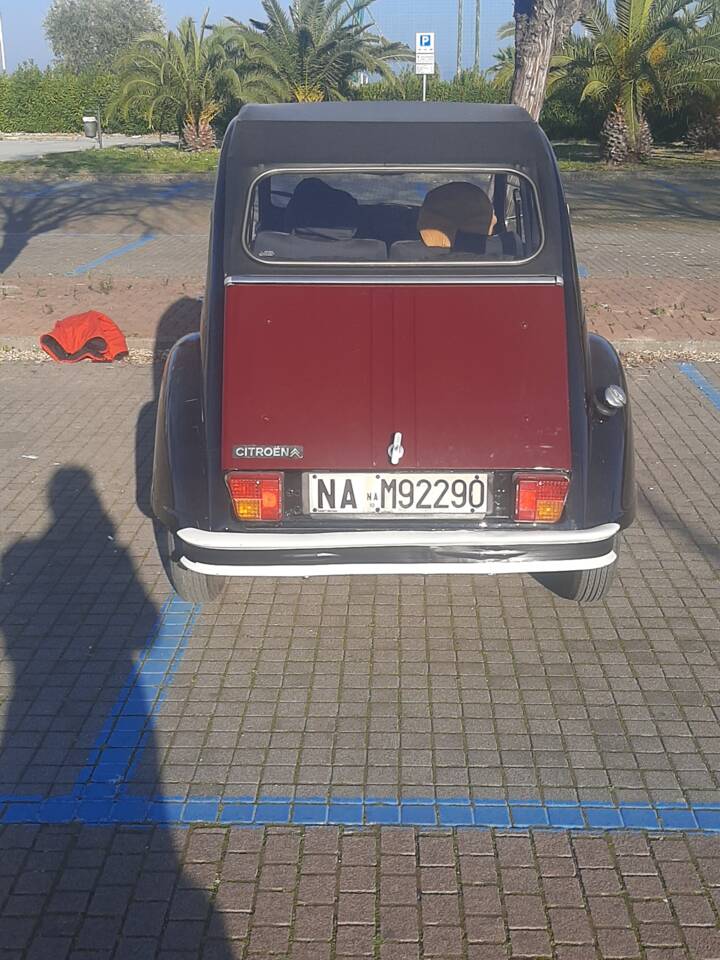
(393, 373)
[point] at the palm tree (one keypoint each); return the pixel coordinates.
(478, 19)
(503, 69)
(314, 50)
(460, 17)
(662, 50)
(186, 78)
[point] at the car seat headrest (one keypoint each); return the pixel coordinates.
(453, 208)
(316, 206)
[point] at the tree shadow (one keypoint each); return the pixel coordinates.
(654, 194)
(75, 618)
(33, 208)
(180, 318)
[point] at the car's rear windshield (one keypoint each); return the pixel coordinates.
(398, 216)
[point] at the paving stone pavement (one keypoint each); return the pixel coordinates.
(325, 892)
(473, 689)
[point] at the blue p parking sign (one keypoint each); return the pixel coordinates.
(425, 53)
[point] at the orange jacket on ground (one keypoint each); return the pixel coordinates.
(89, 335)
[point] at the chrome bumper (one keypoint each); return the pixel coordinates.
(395, 552)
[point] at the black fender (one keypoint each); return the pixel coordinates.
(179, 494)
(611, 495)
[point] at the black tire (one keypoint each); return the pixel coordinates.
(188, 584)
(583, 586)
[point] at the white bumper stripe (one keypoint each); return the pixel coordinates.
(219, 540)
(480, 567)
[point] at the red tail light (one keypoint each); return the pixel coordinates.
(540, 498)
(256, 496)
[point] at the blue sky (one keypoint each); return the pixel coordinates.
(398, 19)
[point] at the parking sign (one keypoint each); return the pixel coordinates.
(425, 53)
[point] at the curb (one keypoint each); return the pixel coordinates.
(691, 348)
(145, 349)
(142, 350)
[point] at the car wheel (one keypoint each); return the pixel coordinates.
(583, 586)
(188, 584)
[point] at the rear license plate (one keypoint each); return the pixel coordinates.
(429, 494)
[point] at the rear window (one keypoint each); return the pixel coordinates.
(408, 216)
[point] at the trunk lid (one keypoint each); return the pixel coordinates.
(474, 376)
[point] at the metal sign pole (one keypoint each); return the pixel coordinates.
(424, 58)
(478, 14)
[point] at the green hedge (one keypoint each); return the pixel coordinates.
(467, 87)
(54, 101)
(563, 116)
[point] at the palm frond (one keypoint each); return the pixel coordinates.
(658, 49)
(320, 45)
(506, 31)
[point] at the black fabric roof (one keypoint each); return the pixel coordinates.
(316, 135)
(387, 132)
(384, 111)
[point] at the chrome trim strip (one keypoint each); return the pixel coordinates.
(227, 540)
(390, 168)
(351, 281)
(482, 567)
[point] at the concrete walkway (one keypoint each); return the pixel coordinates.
(30, 148)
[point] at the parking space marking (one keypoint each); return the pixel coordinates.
(702, 383)
(111, 255)
(130, 721)
(104, 794)
(101, 794)
(41, 192)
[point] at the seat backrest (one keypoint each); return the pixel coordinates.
(501, 246)
(505, 246)
(512, 245)
(270, 245)
(415, 251)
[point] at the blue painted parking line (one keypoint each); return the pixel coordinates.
(100, 793)
(675, 188)
(175, 188)
(521, 815)
(102, 796)
(119, 743)
(41, 192)
(111, 255)
(702, 383)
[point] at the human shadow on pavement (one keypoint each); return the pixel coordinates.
(695, 536)
(74, 618)
(180, 318)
